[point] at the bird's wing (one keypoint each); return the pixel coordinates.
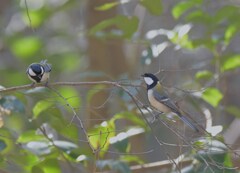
(166, 101)
(47, 67)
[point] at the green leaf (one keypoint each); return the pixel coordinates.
(40, 107)
(69, 131)
(37, 169)
(71, 95)
(231, 63)
(7, 142)
(153, 6)
(228, 161)
(182, 7)
(29, 136)
(99, 135)
(204, 74)
(124, 26)
(107, 6)
(233, 110)
(131, 159)
(37, 17)
(231, 32)
(50, 166)
(198, 16)
(26, 47)
(213, 96)
(225, 13)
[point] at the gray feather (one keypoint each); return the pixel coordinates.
(167, 102)
(47, 67)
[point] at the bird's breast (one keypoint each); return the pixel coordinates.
(155, 103)
(45, 77)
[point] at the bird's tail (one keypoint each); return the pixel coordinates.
(189, 123)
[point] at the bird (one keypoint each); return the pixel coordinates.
(161, 101)
(39, 72)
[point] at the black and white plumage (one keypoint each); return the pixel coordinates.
(160, 100)
(39, 72)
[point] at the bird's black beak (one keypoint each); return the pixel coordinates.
(143, 75)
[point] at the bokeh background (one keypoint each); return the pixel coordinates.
(191, 45)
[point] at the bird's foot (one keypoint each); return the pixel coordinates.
(32, 85)
(46, 84)
(155, 116)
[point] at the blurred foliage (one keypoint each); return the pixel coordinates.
(40, 133)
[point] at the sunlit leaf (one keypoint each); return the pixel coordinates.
(99, 135)
(26, 47)
(228, 161)
(230, 32)
(29, 136)
(153, 6)
(7, 142)
(231, 63)
(124, 26)
(206, 42)
(131, 159)
(50, 165)
(107, 6)
(213, 96)
(40, 107)
(183, 6)
(37, 17)
(28, 159)
(204, 74)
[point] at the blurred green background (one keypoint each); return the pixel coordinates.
(191, 45)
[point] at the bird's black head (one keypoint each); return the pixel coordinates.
(150, 79)
(35, 70)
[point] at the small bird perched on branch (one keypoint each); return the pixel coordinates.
(39, 72)
(160, 100)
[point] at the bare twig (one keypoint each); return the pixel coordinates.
(29, 86)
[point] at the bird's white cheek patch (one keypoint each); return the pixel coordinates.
(31, 73)
(148, 80)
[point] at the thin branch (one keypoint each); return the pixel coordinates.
(30, 86)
